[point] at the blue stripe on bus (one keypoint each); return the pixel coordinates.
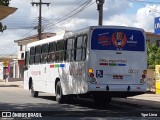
(121, 64)
(62, 65)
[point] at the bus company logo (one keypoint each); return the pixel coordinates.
(119, 39)
(103, 39)
(105, 62)
(35, 73)
(131, 42)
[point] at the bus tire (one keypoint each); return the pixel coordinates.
(33, 92)
(59, 94)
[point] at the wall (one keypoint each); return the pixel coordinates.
(1, 70)
(150, 80)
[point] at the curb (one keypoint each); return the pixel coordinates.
(9, 85)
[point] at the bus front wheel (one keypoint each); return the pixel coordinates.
(59, 94)
(33, 92)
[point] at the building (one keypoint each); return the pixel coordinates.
(153, 38)
(22, 43)
(7, 66)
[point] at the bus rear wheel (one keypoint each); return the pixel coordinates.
(33, 92)
(59, 94)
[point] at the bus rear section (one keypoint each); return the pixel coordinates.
(117, 62)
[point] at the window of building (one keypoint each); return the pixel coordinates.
(21, 47)
(22, 55)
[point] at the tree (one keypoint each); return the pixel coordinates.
(153, 54)
(2, 27)
(4, 2)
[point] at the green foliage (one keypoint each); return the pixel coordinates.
(153, 53)
(4, 2)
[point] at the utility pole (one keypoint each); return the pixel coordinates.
(40, 3)
(100, 10)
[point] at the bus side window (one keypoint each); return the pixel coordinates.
(32, 56)
(44, 54)
(60, 51)
(38, 54)
(81, 44)
(26, 60)
(51, 55)
(70, 49)
(84, 47)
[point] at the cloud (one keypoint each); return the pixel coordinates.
(145, 17)
(116, 12)
(115, 7)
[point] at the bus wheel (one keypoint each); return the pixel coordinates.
(33, 93)
(59, 95)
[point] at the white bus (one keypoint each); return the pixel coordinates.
(99, 62)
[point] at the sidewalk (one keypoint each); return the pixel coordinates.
(148, 97)
(4, 83)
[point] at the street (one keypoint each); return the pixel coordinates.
(16, 99)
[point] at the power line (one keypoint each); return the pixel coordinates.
(74, 12)
(40, 3)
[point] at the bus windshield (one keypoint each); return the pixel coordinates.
(118, 39)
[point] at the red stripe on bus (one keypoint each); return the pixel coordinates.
(103, 63)
(51, 66)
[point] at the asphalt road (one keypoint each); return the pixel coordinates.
(18, 100)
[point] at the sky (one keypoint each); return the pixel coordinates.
(71, 15)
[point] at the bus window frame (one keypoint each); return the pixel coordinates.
(26, 62)
(83, 47)
(31, 56)
(38, 54)
(51, 54)
(44, 53)
(60, 52)
(72, 50)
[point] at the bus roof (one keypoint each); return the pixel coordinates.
(77, 32)
(43, 41)
(87, 29)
